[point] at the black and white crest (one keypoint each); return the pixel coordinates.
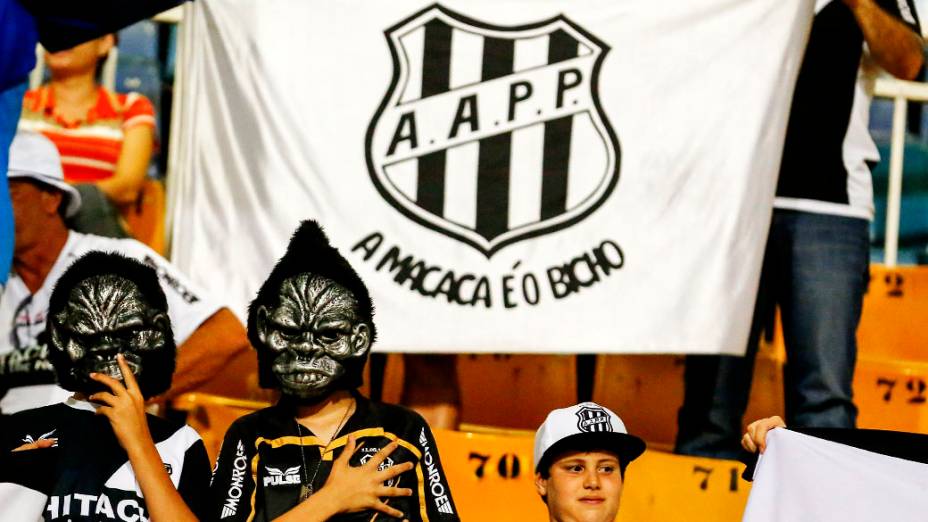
(492, 134)
(593, 420)
(386, 464)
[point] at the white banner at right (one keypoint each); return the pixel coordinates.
(801, 478)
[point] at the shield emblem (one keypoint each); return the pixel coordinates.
(492, 134)
(386, 464)
(593, 420)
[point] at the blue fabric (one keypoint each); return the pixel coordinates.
(18, 37)
(11, 103)
(816, 270)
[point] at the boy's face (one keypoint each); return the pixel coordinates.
(106, 315)
(582, 486)
(313, 332)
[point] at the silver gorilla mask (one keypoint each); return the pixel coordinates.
(314, 333)
(106, 315)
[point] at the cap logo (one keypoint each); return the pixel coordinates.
(593, 420)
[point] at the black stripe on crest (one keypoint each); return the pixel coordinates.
(561, 46)
(493, 176)
(436, 73)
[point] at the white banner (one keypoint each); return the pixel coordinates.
(806, 479)
(506, 175)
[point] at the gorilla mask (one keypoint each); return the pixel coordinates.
(312, 320)
(104, 305)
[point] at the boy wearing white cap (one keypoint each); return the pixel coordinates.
(581, 453)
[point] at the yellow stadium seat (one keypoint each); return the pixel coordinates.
(511, 391)
(646, 391)
(212, 415)
(145, 219)
(892, 326)
(237, 380)
(515, 391)
(892, 395)
(492, 479)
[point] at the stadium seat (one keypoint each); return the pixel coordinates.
(145, 219)
(212, 415)
(238, 380)
(892, 394)
(647, 391)
(492, 478)
(508, 391)
(515, 391)
(892, 326)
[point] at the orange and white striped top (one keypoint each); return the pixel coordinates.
(90, 147)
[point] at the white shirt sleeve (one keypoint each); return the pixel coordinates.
(21, 503)
(188, 304)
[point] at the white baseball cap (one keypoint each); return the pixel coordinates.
(584, 426)
(34, 156)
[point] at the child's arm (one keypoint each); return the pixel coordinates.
(125, 409)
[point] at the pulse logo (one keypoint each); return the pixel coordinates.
(238, 477)
(287, 477)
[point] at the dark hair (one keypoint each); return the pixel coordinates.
(101, 63)
(309, 251)
(544, 465)
(98, 263)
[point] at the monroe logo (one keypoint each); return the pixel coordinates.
(593, 419)
(492, 134)
(436, 487)
(238, 477)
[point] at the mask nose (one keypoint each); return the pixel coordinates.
(106, 343)
(306, 345)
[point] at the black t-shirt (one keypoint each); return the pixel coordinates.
(261, 469)
(87, 477)
(822, 145)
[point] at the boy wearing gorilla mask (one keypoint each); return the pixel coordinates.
(98, 455)
(323, 452)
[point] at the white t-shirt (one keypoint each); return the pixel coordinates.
(22, 319)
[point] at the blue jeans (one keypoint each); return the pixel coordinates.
(816, 269)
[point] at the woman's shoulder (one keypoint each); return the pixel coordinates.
(130, 104)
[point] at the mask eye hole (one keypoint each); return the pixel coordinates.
(328, 335)
(289, 333)
(87, 340)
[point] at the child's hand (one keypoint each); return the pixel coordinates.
(756, 437)
(352, 489)
(124, 407)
